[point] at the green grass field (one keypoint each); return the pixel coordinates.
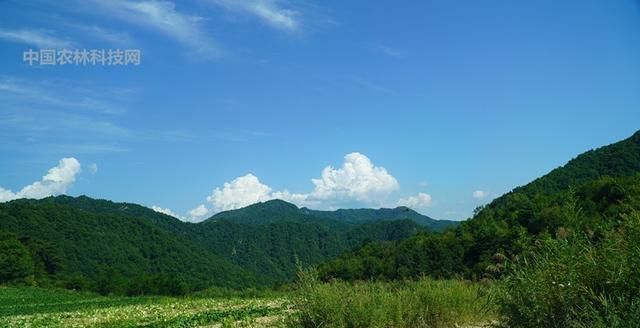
(425, 303)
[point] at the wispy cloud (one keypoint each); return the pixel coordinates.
(44, 93)
(163, 17)
(389, 51)
(120, 38)
(37, 38)
(59, 116)
(274, 13)
(43, 123)
(372, 86)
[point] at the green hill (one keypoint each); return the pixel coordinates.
(280, 211)
(598, 186)
(111, 252)
(85, 243)
(384, 214)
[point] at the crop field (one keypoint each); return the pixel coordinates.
(425, 303)
(33, 307)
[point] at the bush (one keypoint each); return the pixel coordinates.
(423, 303)
(577, 280)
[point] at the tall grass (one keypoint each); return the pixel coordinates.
(576, 280)
(423, 303)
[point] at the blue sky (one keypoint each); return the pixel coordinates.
(437, 105)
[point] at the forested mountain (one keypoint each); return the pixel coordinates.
(273, 250)
(84, 243)
(110, 252)
(281, 211)
(383, 214)
(597, 187)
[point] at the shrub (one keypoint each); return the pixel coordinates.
(578, 280)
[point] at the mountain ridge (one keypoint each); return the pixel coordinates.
(277, 210)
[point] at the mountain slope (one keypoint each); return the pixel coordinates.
(383, 214)
(598, 186)
(79, 249)
(80, 242)
(274, 250)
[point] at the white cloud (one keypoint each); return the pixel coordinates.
(479, 194)
(93, 168)
(420, 201)
(38, 38)
(119, 38)
(52, 113)
(240, 192)
(357, 179)
(55, 182)
(271, 12)
(198, 213)
(163, 17)
(166, 211)
(195, 215)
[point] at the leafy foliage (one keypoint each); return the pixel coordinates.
(581, 279)
(15, 261)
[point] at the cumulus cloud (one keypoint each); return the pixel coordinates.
(166, 211)
(419, 201)
(195, 215)
(357, 180)
(198, 213)
(271, 12)
(240, 192)
(479, 194)
(57, 180)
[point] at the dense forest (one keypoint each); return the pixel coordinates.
(601, 185)
(122, 248)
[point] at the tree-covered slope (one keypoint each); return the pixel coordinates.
(274, 250)
(601, 185)
(79, 242)
(384, 214)
(112, 252)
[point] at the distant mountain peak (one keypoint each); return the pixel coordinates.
(277, 210)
